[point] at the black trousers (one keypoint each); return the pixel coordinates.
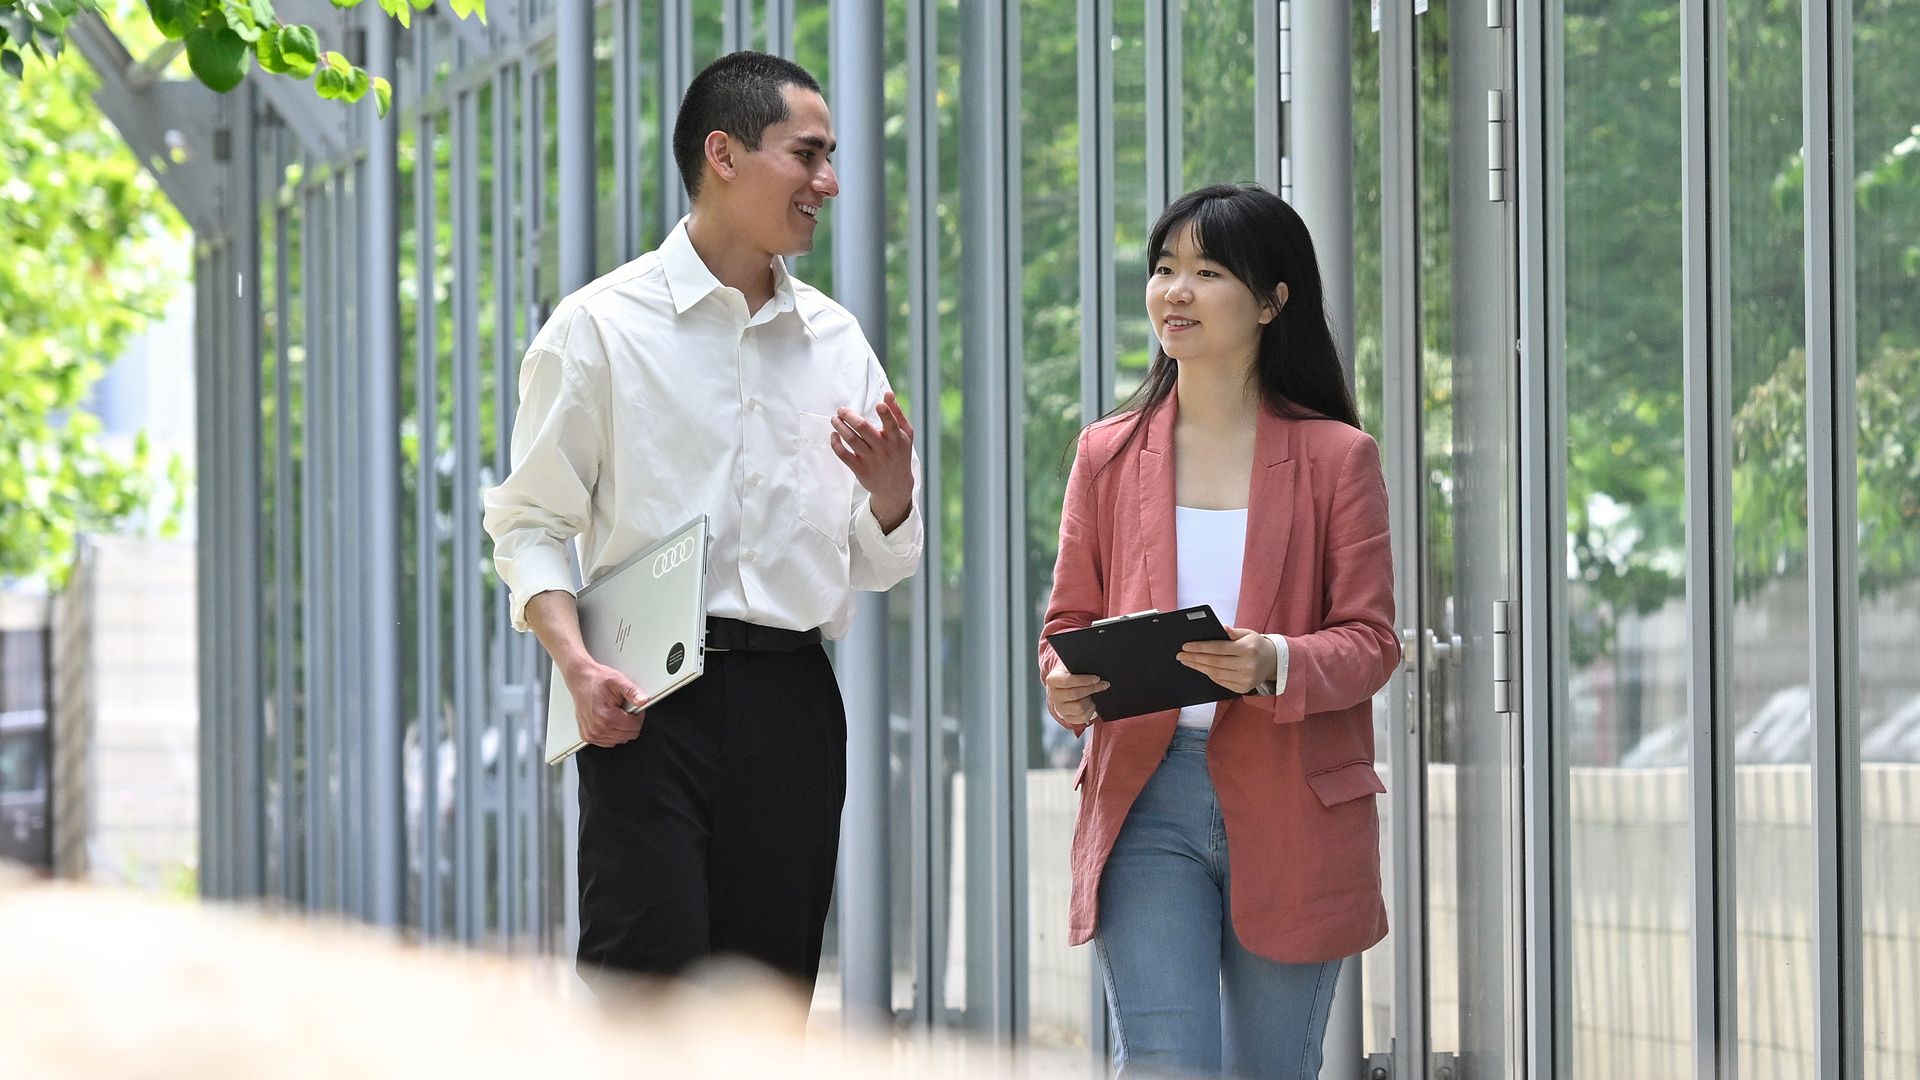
(715, 831)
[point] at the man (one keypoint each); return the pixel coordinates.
(703, 378)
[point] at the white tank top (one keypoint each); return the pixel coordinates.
(1211, 546)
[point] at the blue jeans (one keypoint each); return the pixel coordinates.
(1183, 993)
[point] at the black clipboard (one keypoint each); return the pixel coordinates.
(1136, 655)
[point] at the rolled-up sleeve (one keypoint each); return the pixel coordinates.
(547, 499)
(880, 560)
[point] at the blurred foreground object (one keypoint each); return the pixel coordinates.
(97, 983)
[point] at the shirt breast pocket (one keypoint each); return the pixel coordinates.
(823, 485)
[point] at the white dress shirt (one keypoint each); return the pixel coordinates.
(652, 395)
(1210, 548)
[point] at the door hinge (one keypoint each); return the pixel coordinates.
(1445, 1066)
(1286, 50)
(1496, 14)
(1379, 1067)
(1502, 656)
(1496, 148)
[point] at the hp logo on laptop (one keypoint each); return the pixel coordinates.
(674, 557)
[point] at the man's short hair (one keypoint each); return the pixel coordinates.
(742, 94)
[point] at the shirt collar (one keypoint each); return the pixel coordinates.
(689, 281)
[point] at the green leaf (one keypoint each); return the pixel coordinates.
(398, 9)
(330, 84)
(267, 51)
(239, 18)
(464, 8)
(48, 16)
(422, 5)
(174, 18)
(299, 49)
(337, 62)
(11, 63)
(382, 95)
(357, 84)
(346, 3)
(219, 58)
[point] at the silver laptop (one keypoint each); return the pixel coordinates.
(647, 618)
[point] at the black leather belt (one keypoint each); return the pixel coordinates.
(732, 635)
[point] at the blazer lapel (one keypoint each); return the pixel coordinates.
(1153, 488)
(1269, 521)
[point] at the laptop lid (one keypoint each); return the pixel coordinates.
(647, 619)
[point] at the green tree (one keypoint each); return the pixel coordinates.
(80, 222)
(223, 39)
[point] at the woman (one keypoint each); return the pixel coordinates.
(1227, 858)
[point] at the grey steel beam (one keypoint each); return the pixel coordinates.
(1832, 534)
(208, 816)
(1166, 73)
(471, 706)
(995, 698)
(168, 125)
(1099, 312)
(628, 85)
(1270, 34)
(426, 515)
(1540, 663)
(858, 51)
(927, 789)
(676, 71)
(512, 686)
(1708, 382)
(780, 27)
(573, 71)
(736, 26)
(312, 547)
(293, 827)
(242, 575)
(1400, 376)
(380, 366)
(1319, 141)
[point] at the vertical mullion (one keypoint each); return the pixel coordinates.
(990, 178)
(676, 71)
(1709, 527)
(426, 382)
(515, 712)
(293, 881)
(736, 25)
(1833, 513)
(780, 27)
(928, 677)
(1540, 663)
(470, 698)
(1268, 105)
(1098, 304)
(626, 130)
(242, 295)
(380, 538)
(312, 518)
(1165, 73)
(206, 429)
(1400, 337)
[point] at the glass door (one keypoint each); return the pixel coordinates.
(1454, 617)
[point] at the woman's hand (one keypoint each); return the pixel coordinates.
(1070, 697)
(1246, 661)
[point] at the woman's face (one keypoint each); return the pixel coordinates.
(1201, 312)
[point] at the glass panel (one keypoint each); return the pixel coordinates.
(1886, 168)
(449, 726)
(273, 548)
(608, 176)
(1630, 870)
(1768, 646)
(1058, 978)
(1216, 38)
(1369, 393)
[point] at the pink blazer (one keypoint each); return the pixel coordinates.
(1294, 772)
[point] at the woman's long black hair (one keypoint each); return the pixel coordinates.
(1260, 240)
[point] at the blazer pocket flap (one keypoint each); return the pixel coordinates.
(1344, 783)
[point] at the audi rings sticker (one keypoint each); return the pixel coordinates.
(675, 557)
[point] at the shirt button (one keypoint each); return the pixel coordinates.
(753, 404)
(747, 555)
(754, 479)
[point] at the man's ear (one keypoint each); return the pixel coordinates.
(719, 153)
